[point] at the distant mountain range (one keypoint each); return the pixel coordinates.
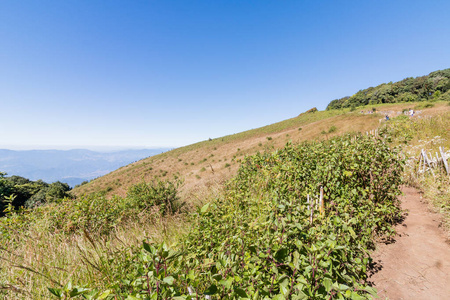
(69, 166)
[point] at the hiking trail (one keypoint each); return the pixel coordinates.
(417, 264)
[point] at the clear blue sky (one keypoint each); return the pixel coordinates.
(169, 73)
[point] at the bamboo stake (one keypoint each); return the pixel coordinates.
(420, 163)
(322, 204)
(424, 161)
(437, 160)
(444, 159)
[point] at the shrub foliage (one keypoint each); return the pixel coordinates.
(263, 239)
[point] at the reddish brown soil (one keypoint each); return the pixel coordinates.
(417, 264)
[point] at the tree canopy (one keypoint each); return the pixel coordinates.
(28, 193)
(434, 86)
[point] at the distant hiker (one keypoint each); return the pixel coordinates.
(411, 113)
(387, 118)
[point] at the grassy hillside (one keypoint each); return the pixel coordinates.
(210, 163)
(92, 245)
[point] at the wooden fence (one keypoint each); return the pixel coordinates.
(429, 163)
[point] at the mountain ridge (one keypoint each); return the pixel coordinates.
(71, 166)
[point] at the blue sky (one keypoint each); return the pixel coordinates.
(135, 74)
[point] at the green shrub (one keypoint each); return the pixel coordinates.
(424, 105)
(99, 215)
(259, 240)
(332, 129)
(163, 194)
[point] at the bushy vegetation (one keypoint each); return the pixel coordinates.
(19, 191)
(264, 237)
(89, 239)
(435, 86)
(263, 240)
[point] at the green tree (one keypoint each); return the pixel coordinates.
(56, 191)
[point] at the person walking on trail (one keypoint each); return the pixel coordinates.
(411, 113)
(387, 118)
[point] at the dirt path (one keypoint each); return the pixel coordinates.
(417, 264)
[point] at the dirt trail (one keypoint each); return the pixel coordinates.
(417, 264)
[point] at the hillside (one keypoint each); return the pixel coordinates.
(262, 227)
(210, 163)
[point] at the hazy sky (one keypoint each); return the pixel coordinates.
(169, 73)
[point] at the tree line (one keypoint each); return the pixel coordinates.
(19, 191)
(434, 86)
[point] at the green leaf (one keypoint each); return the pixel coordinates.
(68, 286)
(371, 291)
(240, 292)
(104, 294)
(149, 248)
(355, 296)
(211, 290)
(169, 280)
(78, 291)
(204, 208)
(57, 292)
(327, 283)
(227, 283)
(281, 254)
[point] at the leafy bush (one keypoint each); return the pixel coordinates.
(99, 215)
(30, 193)
(332, 129)
(163, 194)
(264, 240)
(424, 105)
(435, 85)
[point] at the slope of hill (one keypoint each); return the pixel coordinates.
(70, 166)
(74, 241)
(210, 163)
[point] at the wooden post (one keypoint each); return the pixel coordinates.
(437, 160)
(428, 162)
(424, 161)
(444, 159)
(420, 163)
(322, 204)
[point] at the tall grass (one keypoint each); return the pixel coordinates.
(57, 244)
(429, 134)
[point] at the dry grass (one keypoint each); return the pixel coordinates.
(214, 155)
(429, 134)
(37, 259)
(58, 258)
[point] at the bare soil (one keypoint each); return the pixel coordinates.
(417, 264)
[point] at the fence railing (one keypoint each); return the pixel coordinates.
(429, 163)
